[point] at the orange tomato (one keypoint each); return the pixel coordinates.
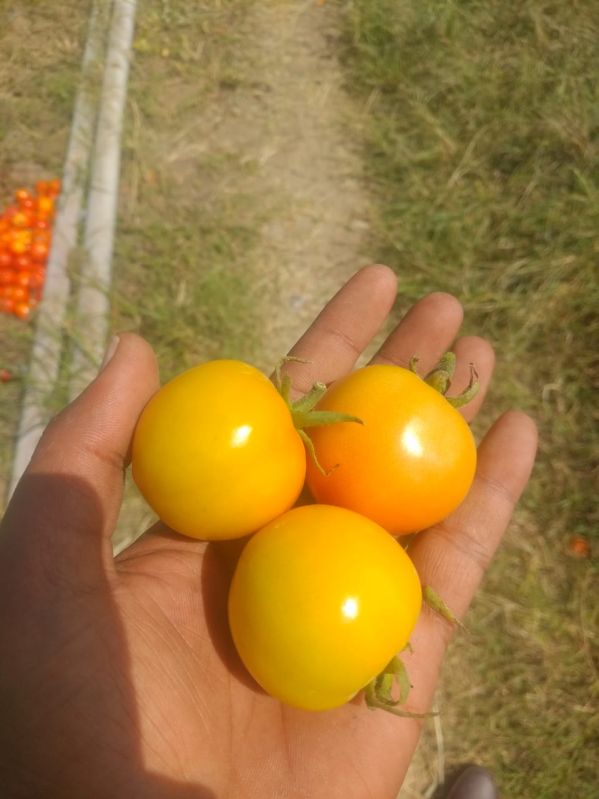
(7, 305)
(22, 310)
(7, 277)
(410, 463)
(54, 187)
(39, 252)
(22, 195)
(22, 219)
(20, 294)
(45, 207)
(35, 279)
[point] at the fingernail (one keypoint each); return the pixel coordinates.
(110, 350)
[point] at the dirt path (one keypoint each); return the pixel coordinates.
(297, 128)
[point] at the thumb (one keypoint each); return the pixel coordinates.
(70, 494)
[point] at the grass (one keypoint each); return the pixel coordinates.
(184, 238)
(482, 148)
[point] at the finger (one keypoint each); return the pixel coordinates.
(73, 484)
(453, 556)
(426, 331)
(478, 352)
(344, 327)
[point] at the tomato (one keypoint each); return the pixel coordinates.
(22, 310)
(33, 280)
(321, 600)
(23, 262)
(22, 195)
(20, 245)
(45, 207)
(54, 187)
(7, 304)
(22, 219)
(215, 452)
(19, 294)
(6, 259)
(408, 466)
(7, 277)
(39, 252)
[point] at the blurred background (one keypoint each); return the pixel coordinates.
(270, 149)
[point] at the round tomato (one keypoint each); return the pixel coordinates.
(22, 310)
(410, 463)
(321, 600)
(39, 252)
(215, 452)
(45, 207)
(23, 262)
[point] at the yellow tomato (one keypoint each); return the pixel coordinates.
(215, 452)
(321, 600)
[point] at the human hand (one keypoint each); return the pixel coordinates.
(118, 677)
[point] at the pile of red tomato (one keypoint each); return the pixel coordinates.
(324, 596)
(25, 239)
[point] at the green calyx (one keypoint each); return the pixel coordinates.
(303, 410)
(441, 376)
(379, 693)
(436, 604)
(394, 679)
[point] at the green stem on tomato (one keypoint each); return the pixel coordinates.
(441, 376)
(435, 603)
(303, 410)
(378, 693)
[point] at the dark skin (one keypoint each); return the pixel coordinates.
(118, 677)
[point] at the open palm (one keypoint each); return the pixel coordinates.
(118, 678)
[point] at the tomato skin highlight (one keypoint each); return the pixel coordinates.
(408, 466)
(321, 600)
(215, 452)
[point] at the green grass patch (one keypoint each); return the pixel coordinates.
(483, 150)
(184, 237)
